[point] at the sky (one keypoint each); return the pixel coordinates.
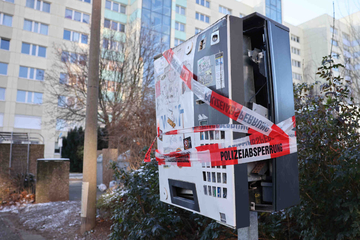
(296, 12)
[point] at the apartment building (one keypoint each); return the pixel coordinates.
(29, 30)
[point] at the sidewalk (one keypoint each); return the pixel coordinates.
(75, 184)
(8, 230)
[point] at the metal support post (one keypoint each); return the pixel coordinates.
(11, 145)
(251, 232)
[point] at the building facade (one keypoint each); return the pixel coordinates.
(29, 30)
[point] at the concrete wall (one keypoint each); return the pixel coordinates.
(108, 174)
(52, 181)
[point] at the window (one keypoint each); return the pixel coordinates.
(61, 101)
(36, 27)
(178, 41)
(38, 5)
(335, 55)
(29, 122)
(180, 26)
(346, 36)
(67, 102)
(5, 20)
(346, 39)
(295, 38)
(116, 26)
(29, 97)
(11, 1)
(77, 16)
(114, 6)
(297, 76)
(335, 43)
(2, 94)
(34, 50)
(197, 30)
(62, 125)
(112, 45)
(295, 51)
(224, 10)
(295, 63)
(273, 10)
(346, 52)
(180, 10)
(73, 58)
(87, 1)
(3, 68)
(63, 78)
(203, 3)
(75, 36)
(4, 44)
(333, 30)
(31, 73)
(202, 17)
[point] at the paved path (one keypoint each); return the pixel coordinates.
(75, 190)
(75, 184)
(8, 231)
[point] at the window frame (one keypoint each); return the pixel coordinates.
(227, 10)
(4, 39)
(31, 49)
(119, 25)
(73, 15)
(7, 65)
(179, 26)
(198, 30)
(4, 91)
(334, 42)
(295, 38)
(333, 30)
(297, 76)
(80, 37)
(68, 57)
(121, 6)
(111, 43)
(39, 25)
(35, 73)
(198, 17)
(180, 10)
(2, 16)
(178, 41)
(204, 3)
(295, 63)
(27, 97)
(41, 8)
(295, 50)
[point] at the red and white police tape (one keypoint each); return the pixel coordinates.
(267, 140)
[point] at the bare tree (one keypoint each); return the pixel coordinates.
(126, 102)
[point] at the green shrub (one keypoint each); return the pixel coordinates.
(137, 212)
(329, 169)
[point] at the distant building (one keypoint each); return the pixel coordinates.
(30, 28)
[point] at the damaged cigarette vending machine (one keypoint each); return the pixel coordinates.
(246, 60)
